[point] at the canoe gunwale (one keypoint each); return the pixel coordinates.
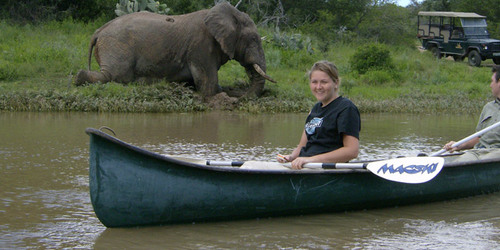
(466, 163)
(257, 171)
(161, 157)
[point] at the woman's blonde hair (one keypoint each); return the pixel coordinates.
(329, 68)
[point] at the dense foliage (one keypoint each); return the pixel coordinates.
(36, 11)
(328, 20)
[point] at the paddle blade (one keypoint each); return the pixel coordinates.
(408, 170)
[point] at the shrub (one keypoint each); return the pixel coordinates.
(7, 71)
(294, 42)
(371, 57)
(129, 6)
(273, 57)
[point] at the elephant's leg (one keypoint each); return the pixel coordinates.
(122, 71)
(205, 79)
(113, 68)
(103, 76)
(116, 61)
(86, 76)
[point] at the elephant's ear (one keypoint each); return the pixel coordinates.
(222, 24)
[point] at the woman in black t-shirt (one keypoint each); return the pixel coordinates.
(332, 127)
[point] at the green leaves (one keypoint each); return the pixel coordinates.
(130, 6)
(371, 57)
(292, 42)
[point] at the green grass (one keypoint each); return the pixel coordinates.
(38, 63)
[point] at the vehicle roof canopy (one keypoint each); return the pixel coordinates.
(450, 14)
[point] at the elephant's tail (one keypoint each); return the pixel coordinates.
(93, 41)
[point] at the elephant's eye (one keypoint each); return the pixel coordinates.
(254, 40)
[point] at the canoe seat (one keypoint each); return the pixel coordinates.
(263, 165)
(269, 165)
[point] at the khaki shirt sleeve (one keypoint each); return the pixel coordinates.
(489, 116)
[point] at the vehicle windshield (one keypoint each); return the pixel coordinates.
(474, 27)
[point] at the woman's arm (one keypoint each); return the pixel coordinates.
(295, 153)
(349, 151)
(466, 145)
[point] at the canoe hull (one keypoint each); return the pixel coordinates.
(130, 186)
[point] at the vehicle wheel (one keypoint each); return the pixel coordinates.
(496, 60)
(458, 58)
(474, 58)
(436, 52)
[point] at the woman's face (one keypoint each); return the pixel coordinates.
(323, 87)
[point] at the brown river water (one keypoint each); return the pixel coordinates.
(44, 198)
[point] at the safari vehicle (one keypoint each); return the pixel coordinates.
(457, 34)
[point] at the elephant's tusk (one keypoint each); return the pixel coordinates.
(262, 73)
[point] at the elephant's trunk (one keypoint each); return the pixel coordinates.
(257, 78)
(262, 73)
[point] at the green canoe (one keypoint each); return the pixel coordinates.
(130, 186)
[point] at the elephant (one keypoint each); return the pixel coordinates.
(185, 48)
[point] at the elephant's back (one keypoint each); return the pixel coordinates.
(147, 23)
(135, 20)
(153, 17)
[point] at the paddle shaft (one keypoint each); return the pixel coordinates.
(225, 163)
(468, 138)
(307, 165)
(405, 170)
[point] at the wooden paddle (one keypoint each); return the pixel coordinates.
(468, 138)
(406, 170)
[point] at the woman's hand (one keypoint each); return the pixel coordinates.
(284, 158)
(296, 163)
(465, 145)
(448, 147)
(299, 162)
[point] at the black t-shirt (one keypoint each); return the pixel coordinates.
(326, 125)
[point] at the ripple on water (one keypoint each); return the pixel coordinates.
(51, 219)
(224, 152)
(242, 152)
(425, 234)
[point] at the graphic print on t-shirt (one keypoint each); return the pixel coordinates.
(313, 124)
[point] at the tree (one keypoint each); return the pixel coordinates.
(34, 11)
(436, 5)
(389, 23)
(349, 13)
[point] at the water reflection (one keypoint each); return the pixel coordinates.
(44, 200)
(432, 226)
